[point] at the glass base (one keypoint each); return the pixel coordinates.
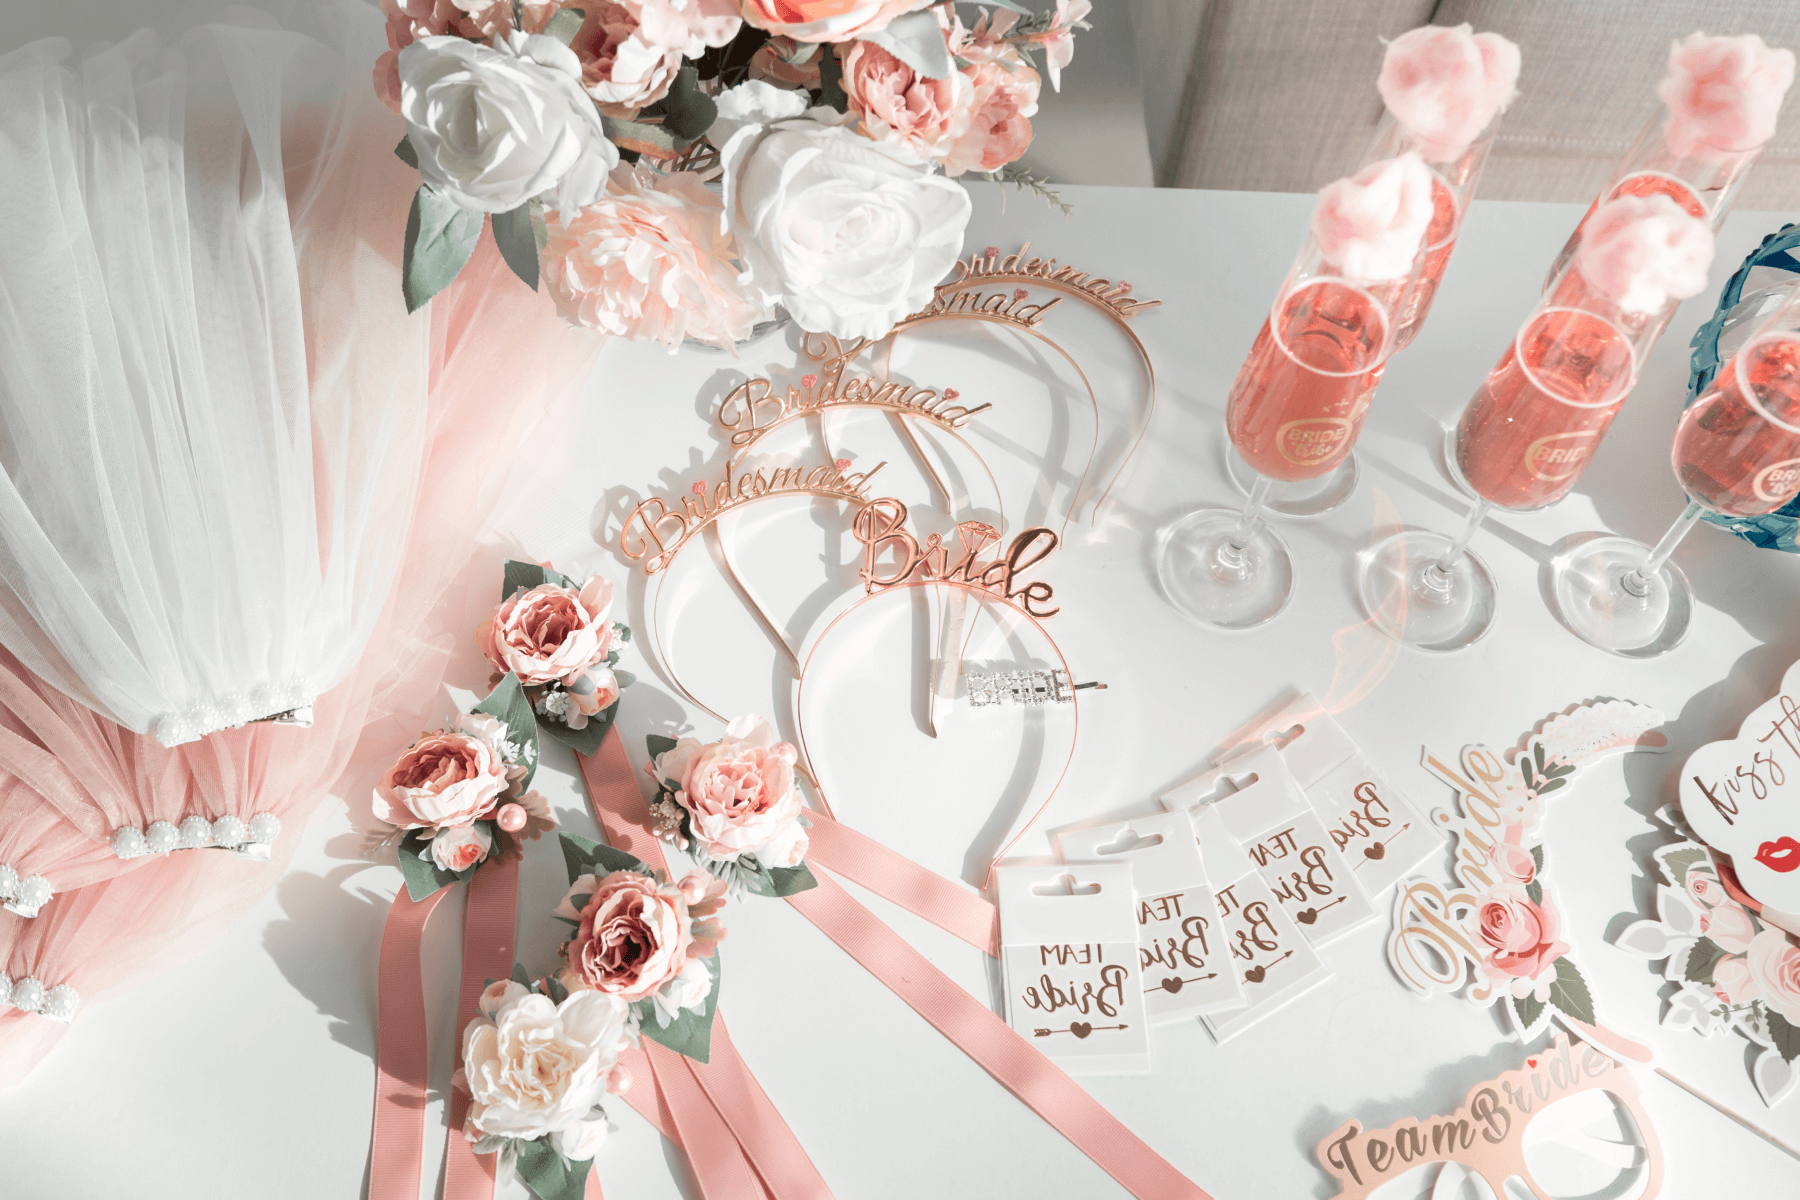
(1300, 499)
(1204, 577)
(1592, 600)
(1405, 597)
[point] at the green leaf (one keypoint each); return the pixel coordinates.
(623, 630)
(565, 24)
(584, 856)
(917, 40)
(1570, 992)
(440, 236)
(423, 876)
(587, 739)
(803, 53)
(775, 881)
(1551, 786)
(1537, 857)
(518, 245)
(1535, 890)
(520, 975)
(548, 1174)
(1537, 753)
(406, 154)
(1529, 1009)
(1678, 862)
(1704, 959)
(625, 679)
(691, 111)
(529, 575)
(507, 701)
(831, 81)
(1783, 1034)
(659, 745)
(690, 1033)
(636, 131)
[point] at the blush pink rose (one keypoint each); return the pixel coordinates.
(739, 794)
(826, 20)
(1729, 926)
(1775, 966)
(999, 129)
(1372, 224)
(689, 26)
(460, 847)
(410, 20)
(1732, 981)
(1644, 251)
(648, 261)
(1723, 93)
(621, 68)
(899, 106)
(1704, 888)
(1520, 936)
(1445, 85)
(633, 934)
(448, 778)
(770, 64)
(550, 634)
(1515, 863)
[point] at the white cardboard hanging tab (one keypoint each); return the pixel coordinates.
(1382, 834)
(1071, 962)
(1186, 966)
(1269, 815)
(1274, 963)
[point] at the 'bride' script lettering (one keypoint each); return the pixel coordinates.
(880, 525)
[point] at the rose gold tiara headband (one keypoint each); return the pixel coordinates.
(957, 298)
(880, 525)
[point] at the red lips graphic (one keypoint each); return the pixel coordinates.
(1781, 855)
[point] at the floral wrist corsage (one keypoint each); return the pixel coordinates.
(560, 640)
(734, 805)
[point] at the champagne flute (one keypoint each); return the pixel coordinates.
(1297, 405)
(1453, 183)
(1525, 437)
(1736, 453)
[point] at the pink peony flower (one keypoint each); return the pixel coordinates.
(1729, 926)
(551, 634)
(899, 106)
(449, 778)
(410, 20)
(590, 693)
(739, 794)
(999, 131)
(633, 934)
(620, 68)
(1643, 251)
(1520, 936)
(1445, 85)
(770, 64)
(1723, 93)
(1372, 224)
(1775, 968)
(1059, 40)
(1515, 863)
(688, 26)
(826, 20)
(649, 262)
(1732, 981)
(460, 847)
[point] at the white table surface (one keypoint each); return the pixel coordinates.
(248, 1071)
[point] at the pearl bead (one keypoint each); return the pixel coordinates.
(162, 837)
(9, 882)
(228, 831)
(264, 828)
(34, 893)
(27, 994)
(60, 1004)
(511, 818)
(196, 831)
(128, 842)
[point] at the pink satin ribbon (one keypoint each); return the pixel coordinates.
(488, 927)
(970, 1025)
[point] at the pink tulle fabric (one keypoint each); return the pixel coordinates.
(1371, 225)
(1643, 251)
(1723, 93)
(1445, 85)
(504, 374)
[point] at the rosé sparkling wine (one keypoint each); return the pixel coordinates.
(1737, 448)
(1299, 399)
(1530, 431)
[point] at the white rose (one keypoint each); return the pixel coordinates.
(849, 234)
(536, 1068)
(752, 103)
(687, 990)
(581, 1141)
(496, 126)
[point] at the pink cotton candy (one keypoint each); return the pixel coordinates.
(1643, 251)
(1723, 92)
(1371, 224)
(1446, 85)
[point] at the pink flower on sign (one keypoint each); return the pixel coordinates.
(1445, 85)
(1515, 863)
(1732, 981)
(1775, 967)
(1703, 887)
(1521, 936)
(1723, 93)
(1729, 926)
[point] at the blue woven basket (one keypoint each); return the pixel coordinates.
(1779, 530)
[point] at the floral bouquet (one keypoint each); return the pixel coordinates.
(460, 793)
(561, 644)
(734, 805)
(675, 169)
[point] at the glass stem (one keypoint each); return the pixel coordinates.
(1641, 581)
(1240, 537)
(1441, 568)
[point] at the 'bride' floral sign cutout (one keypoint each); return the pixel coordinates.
(1502, 926)
(1735, 972)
